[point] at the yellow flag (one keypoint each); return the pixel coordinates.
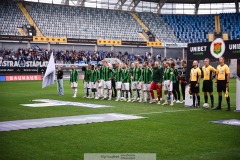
(226, 93)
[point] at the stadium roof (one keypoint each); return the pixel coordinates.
(156, 6)
(192, 1)
(195, 2)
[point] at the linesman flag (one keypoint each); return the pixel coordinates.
(48, 78)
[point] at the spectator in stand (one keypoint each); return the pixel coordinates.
(71, 56)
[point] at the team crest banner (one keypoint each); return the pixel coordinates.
(217, 48)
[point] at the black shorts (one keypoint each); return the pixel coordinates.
(194, 89)
(207, 86)
(221, 86)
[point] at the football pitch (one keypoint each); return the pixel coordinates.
(177, 132)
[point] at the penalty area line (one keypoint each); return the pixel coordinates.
(165, 112)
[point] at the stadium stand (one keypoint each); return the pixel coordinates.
(86, 23)
(190, 28)
(158, 27)
(230, 22)
(11, 18)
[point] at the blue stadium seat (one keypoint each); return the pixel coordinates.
(230, 23)
(159, 27)
(190, 26)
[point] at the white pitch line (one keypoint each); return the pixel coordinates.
(166, 112)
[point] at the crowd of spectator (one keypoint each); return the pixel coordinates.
(72, 56)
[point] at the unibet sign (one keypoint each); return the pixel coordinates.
(229, 49)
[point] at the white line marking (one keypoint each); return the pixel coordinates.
(64, 121)
(51, 102)
(167, 111)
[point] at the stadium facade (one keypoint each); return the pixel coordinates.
(117, 26)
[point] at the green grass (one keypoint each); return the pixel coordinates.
(172, 135)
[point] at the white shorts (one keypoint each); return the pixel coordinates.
(107, 84)
(166, 87)
(118, 85)
(136, 85)
(140, 85)
(101, 83)
(125, 86)
(85, 85)
(74, 84)
(93, 85)
(146, 86)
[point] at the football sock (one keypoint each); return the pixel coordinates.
(212, 100)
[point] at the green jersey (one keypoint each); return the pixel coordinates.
(136, 73)
(101, 72)
(74, 75)
(158, 74)
(98, 74)
(93, 75)
(87, 75)
(147, 74)
(126, 75)
(119, 74)
(107, 73)
(168, 74)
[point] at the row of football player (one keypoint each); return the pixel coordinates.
(143, 78)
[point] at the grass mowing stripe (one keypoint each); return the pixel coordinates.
(165, 112)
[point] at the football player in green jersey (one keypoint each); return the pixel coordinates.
(86, 81)
(118, 78)
(100, 82)
(126, 82)
(168, 82)
(93, 83)
(107, 77)
(147, 79)
(74, 80)
(136, 74)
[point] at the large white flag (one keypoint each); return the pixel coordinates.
(48, 78)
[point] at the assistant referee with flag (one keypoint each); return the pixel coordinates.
(222, 80)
